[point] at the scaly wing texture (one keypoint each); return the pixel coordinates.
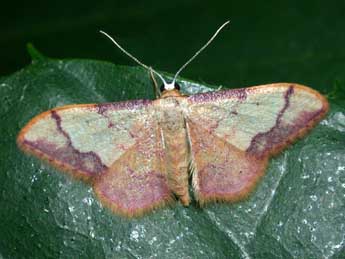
(85, 140)
(116, 146)
(234, 132)
(221, 172)
(137, 182)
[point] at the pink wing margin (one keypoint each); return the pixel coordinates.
(234, 132)
(115, 147)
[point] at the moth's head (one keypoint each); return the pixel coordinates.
(170, 89)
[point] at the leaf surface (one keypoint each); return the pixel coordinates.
(297, 211)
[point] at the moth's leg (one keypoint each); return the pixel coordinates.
(156, 88)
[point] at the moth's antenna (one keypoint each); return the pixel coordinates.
(199, 51)
(132, 57)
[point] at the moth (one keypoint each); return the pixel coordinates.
(139, 155)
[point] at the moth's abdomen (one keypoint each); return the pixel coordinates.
(174, 135)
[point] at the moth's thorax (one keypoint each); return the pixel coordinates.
(170, 112)
(171, 93)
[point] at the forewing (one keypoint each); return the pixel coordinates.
(246, 126)
(85, 140)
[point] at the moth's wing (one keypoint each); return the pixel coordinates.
(117, 146)
(234, 132)
(85, 140)
(137, 182)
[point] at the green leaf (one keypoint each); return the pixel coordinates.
(297, 211)
(34, 53)
(338, 91)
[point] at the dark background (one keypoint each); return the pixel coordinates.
(267, 41)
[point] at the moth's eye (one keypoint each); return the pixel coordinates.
(177, 86)
(162, 88)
